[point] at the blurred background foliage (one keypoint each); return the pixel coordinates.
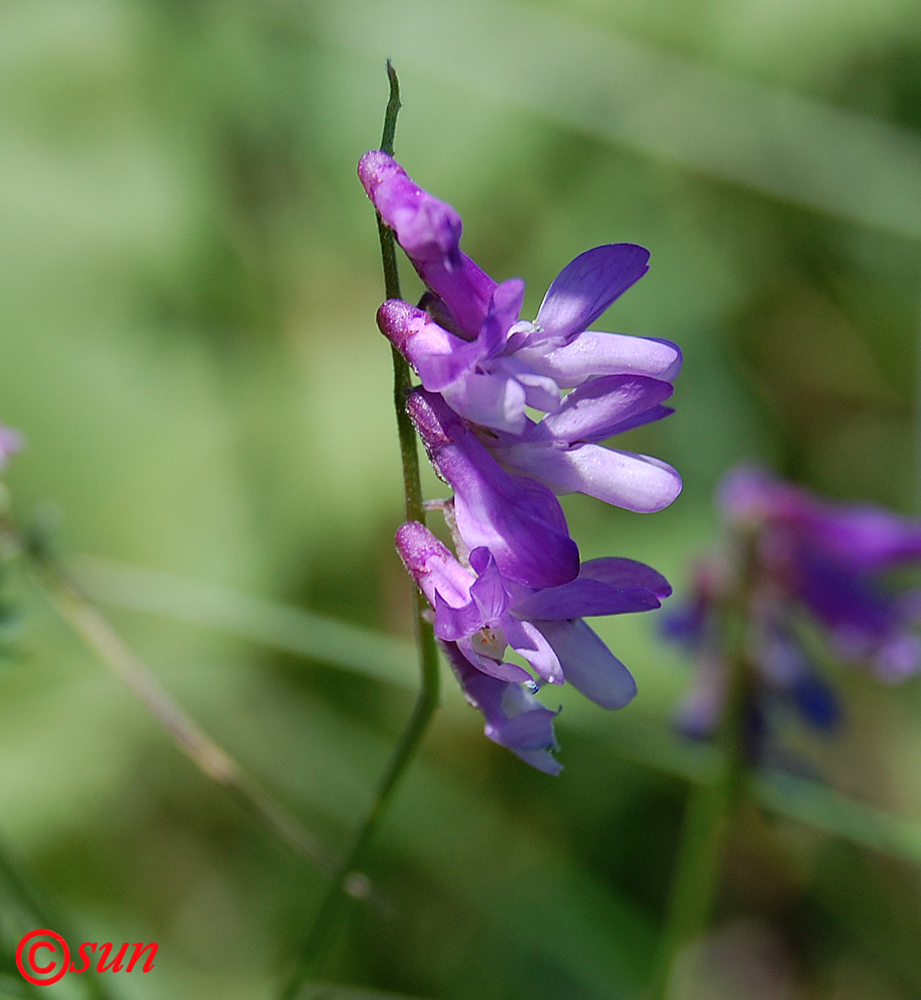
(188, 278)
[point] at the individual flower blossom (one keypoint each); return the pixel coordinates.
(484, 614)
(515, 719)
(520, 521)
(469, 345)
(563, 449)
(429, 232)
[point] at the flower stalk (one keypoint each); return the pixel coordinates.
(711, 805)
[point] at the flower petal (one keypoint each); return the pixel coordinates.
(541, 391)
(452, 623)
(635, 482)
(493, 668)
(592, 354)
(514, 718)
(529, 641)
(588, 285)
(584, 598)
(504, 307)
(426, 227)
(868, 539)
(596, 409)
(433, 566)
(429, 230)
(625, 574)
(488, 593)
(588, 664)
(493, 401)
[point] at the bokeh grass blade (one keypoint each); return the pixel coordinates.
(277, 626)
(824, 809)
(534, 902)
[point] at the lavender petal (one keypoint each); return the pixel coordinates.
(636, 482)
(592, 354)
(588, 285)
(588, 664)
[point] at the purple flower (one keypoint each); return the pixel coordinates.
(469, 343)
(518, 520)
(483, 614)
(515, 719)
(429, 232)
(804, 558)
(563, 451)
(470, 346)
(829, 558)
(517, 580)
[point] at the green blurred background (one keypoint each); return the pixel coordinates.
(188, 278)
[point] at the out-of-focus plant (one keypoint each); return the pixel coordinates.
(795, 570)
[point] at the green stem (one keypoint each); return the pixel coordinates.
(711, 804)
(327, 918)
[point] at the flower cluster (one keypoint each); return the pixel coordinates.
(807, 560)
(515, 578)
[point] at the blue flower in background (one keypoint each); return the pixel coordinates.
(808, 560)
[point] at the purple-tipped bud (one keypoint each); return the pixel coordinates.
(427, 228)
(429, 231)
(438, 356)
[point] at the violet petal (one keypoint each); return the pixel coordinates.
(625, 573)
(588, 664)
(635, 482)
(530, 642)
(594, 411)
(588, 285)
(518, 520)
(593, 354)
(494, 401)
(438, 356)
(584, 598)
(493, 668)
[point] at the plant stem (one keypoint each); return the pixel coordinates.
(326, 920)
(711, 804)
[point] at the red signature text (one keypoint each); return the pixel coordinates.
(43, 957)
